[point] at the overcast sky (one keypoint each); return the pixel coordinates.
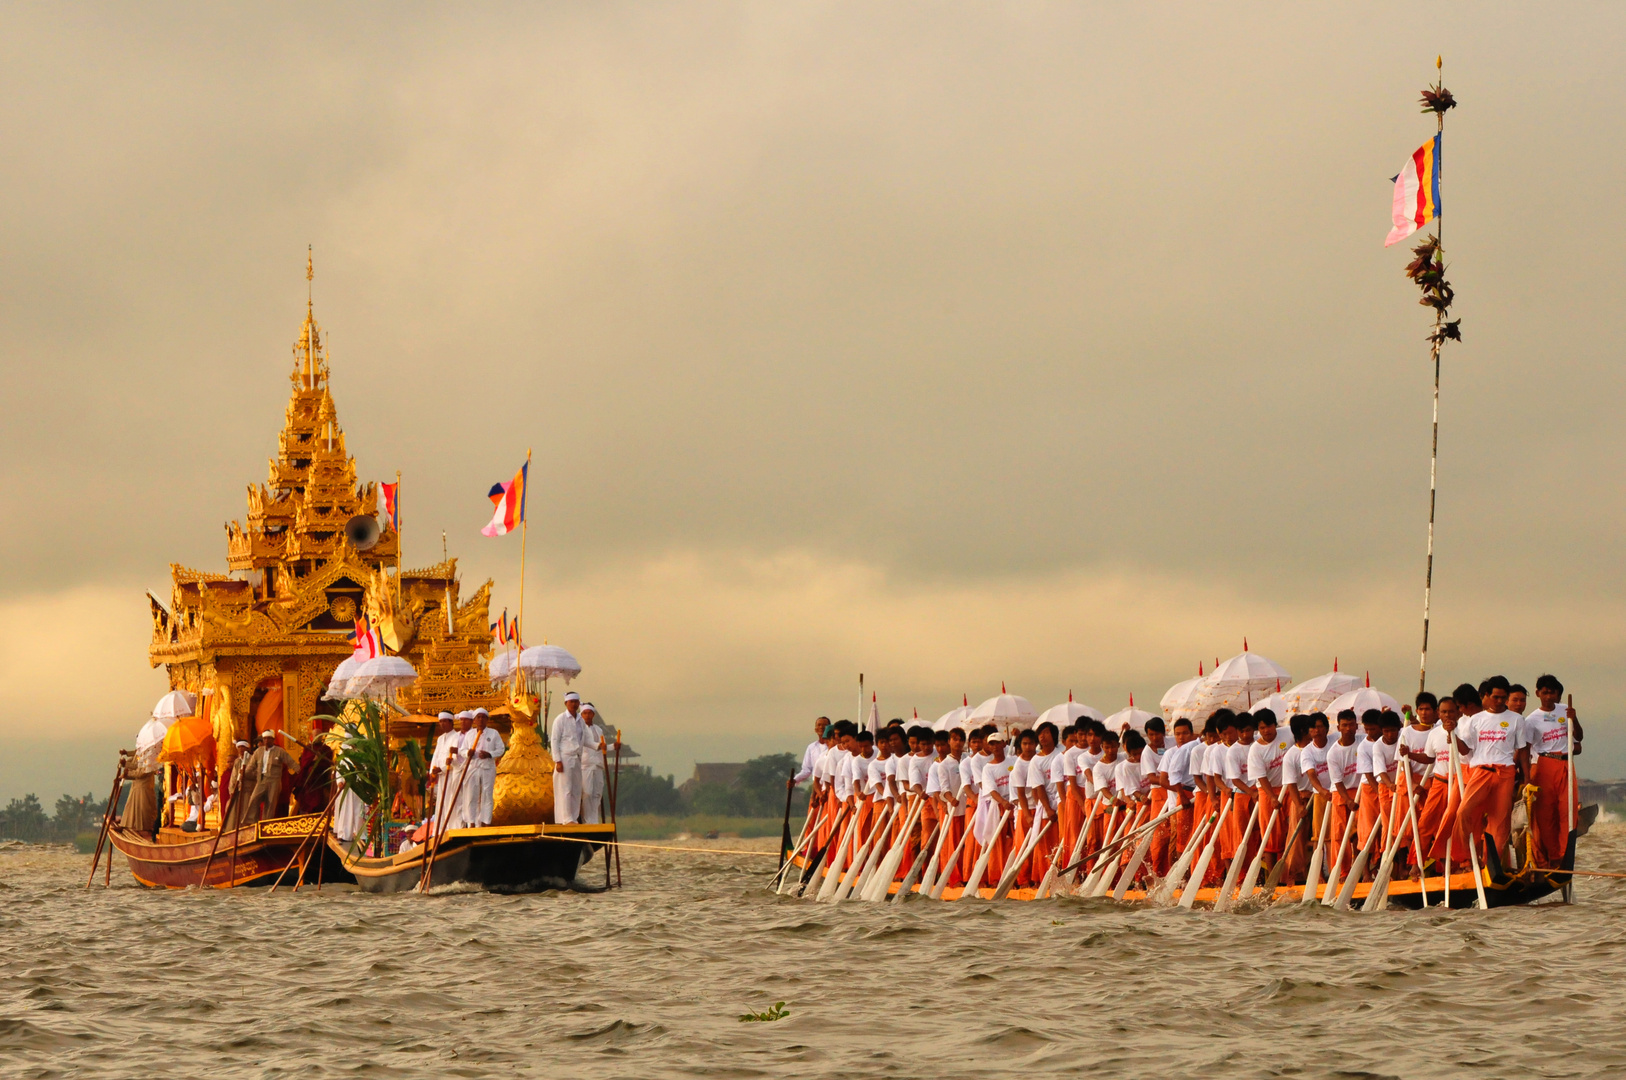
(1051, 344)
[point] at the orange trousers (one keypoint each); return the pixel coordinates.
(1551, 776)
(1488, 804)
(1296, 850)
(1335, 837)
(1430, 817)
(1368, 814)
(1269, 803)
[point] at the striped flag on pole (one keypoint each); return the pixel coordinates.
(509, 500)
(1417, 192)
(392, 506)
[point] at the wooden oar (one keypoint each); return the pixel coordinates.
(803, 846)
(824, 851)
(1074, 859)
(1222, 902)
(784, 840)
(1312, 879)
(880, 882)
(300, 849)
(225, 816)
(1106, 857)
(1014, 867)
(1330, 893)
(1275, 876)
(319, 846)
(1251, 878)
(1139, 856)
(980, 867)
(935, 867)
(913, 875)
(1473, 854)
(1378, 896)
(1416, 835)
(1117, 822)
(1199, 873)
(1048, 882)
(1356, 870)
(426, 882)
(953, 859)
(865, 858)
(840, 862)
(1182, 866)
(107, 824)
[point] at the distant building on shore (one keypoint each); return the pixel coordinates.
(711, 772)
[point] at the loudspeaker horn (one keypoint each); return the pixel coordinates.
(362, 531)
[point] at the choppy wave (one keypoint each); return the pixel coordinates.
(650, 980)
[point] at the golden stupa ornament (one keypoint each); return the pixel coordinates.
(523, 793)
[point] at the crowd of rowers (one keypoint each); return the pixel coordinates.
(1426, 781)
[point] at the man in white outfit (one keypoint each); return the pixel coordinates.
(455, 778)
(595, 761)
(565, 739)
(483, 745)
(444, 739)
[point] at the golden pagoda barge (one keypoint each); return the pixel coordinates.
(258, 646)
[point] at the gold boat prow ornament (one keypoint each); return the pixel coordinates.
(523, 793)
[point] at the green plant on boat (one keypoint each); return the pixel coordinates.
(363, 759)
(778, 1012)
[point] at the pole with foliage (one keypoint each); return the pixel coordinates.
(1427, 271)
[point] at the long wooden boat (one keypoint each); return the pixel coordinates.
(1501, 889)
(504, 858)
(252, 854)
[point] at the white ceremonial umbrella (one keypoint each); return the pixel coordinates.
(1314, 695)
(341, 679)
(954, 718)
(1181, 699)
(1066, 714)
(1238, 682)
(501, 666)
(174, 705)
(149, 740)
(1124, 719)
(1362, 699)
(1277, 704)
(380, 678)
(1006, 710)
(549, 662)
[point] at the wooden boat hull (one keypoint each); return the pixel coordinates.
(263, 850)
(508, 858)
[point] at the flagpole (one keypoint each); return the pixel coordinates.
(1439, 102)
(398, 561)
(524, 533)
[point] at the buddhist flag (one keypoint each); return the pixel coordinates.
(509, 499)
(368, 645)
(1417, 192)
(392, 505)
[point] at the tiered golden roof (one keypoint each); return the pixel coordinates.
(280, 620)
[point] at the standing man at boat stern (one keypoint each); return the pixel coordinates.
(271, 762)
(484, 749)
(565, 738)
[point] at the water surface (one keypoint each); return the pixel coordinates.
(649, 981)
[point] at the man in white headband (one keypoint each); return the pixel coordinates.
(269, 764)
(445, 737)
(483, 747)
(566, 738)
(594, 758)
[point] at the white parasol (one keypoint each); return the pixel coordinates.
(1124, 719)
(1066, 714)
(380, 678)
(341, 679)
(954, 718)
(549, 662)
(1361, 699)
(174, 705)
(501, 666)
(1238, 682)
(1181, 699)
(1006, 710)
(1276, 703)
(1314, 695)
(149, 740)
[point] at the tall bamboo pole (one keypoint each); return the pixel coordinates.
(1437, 340)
